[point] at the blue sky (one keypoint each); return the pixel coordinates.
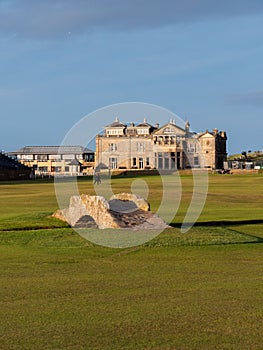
(61, 60)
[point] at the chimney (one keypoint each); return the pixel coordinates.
(215, 131)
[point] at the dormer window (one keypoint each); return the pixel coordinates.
(143, 131)
(114, 131)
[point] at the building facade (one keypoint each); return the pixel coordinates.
(59, 160)
(169, 147)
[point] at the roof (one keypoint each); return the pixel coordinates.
(144, 125)
(74, 162)
(169, 124)
(206, 133)
(116, 124)
(52, 150)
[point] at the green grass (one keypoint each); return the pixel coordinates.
(230, 198)
(85, 297)
(198, 290)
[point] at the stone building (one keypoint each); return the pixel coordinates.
(169, 147)
(213, 146)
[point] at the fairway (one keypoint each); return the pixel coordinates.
(198, 290)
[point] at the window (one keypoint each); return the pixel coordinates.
(147, 161)
(166, 160)
(43, 169)
(142, 131)
(172, 160)
(113, 147)
(134, 162)
(114, 131)
(168, 130)
(54, 157)
(191, 148)
(26, 156)
(155, 160)
(113, 163)
(196, 161)
(160, 160)
(140, 147)
(68, 157)
(140, 163)
(41, 157)
(88, 157)
(178, 161)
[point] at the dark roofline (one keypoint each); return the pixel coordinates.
(147, 125)
(116, 124)
(206, 132)
(52, 150)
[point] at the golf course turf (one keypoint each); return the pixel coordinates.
(196, 290)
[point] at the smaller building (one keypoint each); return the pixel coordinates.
(213, 146)
(59, 160)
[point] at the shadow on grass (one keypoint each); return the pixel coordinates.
(219, 223)
(41, 229)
